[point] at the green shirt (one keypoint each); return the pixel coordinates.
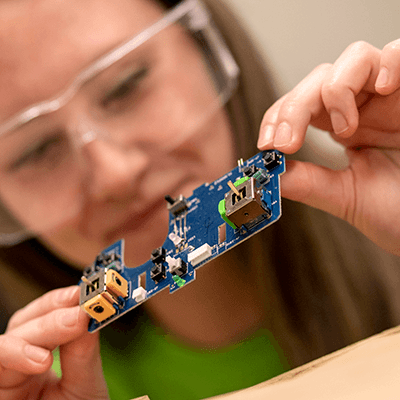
(157, 365)
(153, 363)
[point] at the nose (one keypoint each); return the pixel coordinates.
(112, 172)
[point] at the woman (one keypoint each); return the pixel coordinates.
(311, 284)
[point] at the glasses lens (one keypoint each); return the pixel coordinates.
(39, 175)
(156, 96)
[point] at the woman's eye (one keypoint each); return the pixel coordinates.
(43, 154)
(125, 89)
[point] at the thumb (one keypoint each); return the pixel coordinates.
(320, 187)
(82, 373)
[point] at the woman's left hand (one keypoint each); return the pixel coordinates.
(52, 320)
(358, 100)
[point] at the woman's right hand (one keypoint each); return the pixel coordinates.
(25, 352)
(357, 99)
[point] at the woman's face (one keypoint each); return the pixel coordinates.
(125, 152)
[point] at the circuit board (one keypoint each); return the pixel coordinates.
(215, 218)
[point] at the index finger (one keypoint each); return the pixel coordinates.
(328, 98)
(353, 73)
(389, 74)
(54, 328)
(53, 300)
(284, 125)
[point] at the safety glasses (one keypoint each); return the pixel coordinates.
(153, 92)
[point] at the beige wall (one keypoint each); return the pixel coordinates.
(298, 35)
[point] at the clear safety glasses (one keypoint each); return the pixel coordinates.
(153, 92)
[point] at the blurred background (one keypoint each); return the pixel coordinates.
(296, 36)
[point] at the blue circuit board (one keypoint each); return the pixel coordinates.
(217, 217)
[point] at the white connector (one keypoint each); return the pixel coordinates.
(200, 254)
(139, 294)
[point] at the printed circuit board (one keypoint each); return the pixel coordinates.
(217, 217)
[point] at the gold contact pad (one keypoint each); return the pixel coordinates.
(116, 284)
(99, 308)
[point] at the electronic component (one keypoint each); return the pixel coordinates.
(250, 170)
(261, 177)
(176, 266)
(271, 159)
(99, 308)
(139, 294)
(179, 281)
(176, 206)
(157, 272)
(215, 218)
(245, 205)
(176, 240)
(158, 255)
(200, 254)
(100, 291)
(107, 259)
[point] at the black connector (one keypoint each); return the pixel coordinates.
(250, 170)
(88, 271)
(271, 160)
(157, 272)
(104, 259)
(158, 255)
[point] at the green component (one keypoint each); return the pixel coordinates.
(257, 174)
(113, 265)
(222, 211)
(221, 204)
(241, 180)
(179, 281)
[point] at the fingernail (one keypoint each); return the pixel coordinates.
(339, 122)
(283, 135)
(36, 354)
(383, 77)
(267, 136)
(70, 317)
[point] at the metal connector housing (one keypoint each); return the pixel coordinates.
(247, 206)
(100, 291)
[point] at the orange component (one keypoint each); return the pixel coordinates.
(99, 308)
(116, 284)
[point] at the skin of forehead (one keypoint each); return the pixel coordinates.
(44, 44)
